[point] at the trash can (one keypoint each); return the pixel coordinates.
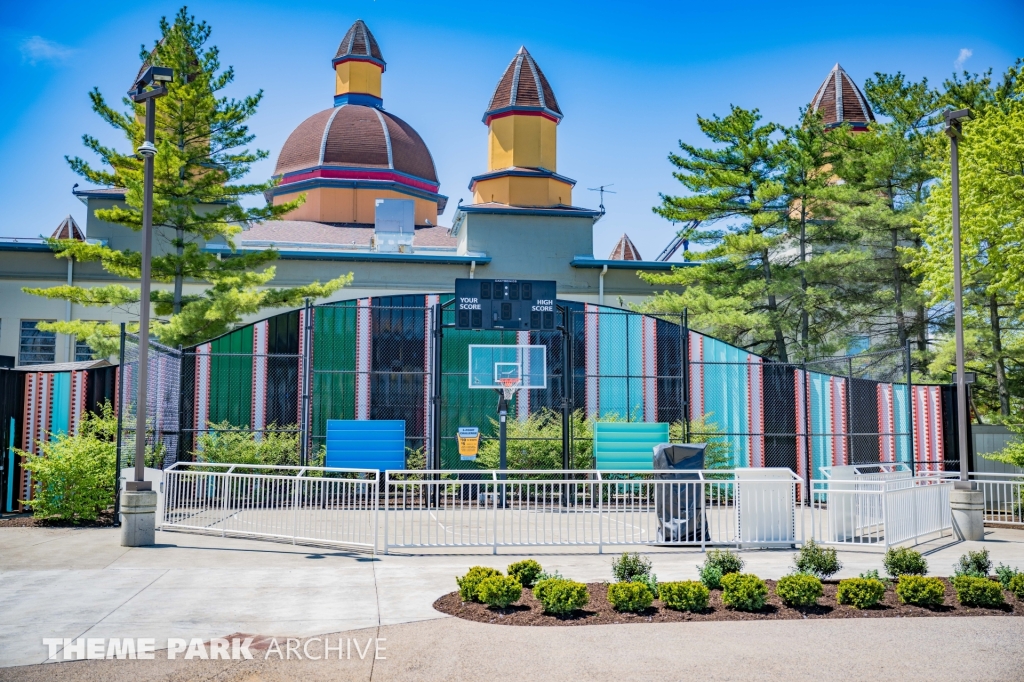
(679, 506)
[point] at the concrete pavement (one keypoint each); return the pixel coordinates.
(74, 583)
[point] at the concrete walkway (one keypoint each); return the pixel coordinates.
(81, 583)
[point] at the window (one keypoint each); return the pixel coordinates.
(82, 351)
(36, 347)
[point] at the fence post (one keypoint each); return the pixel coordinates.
(494, 499)
(910, 408)
(376, 512)
(566, 383)
(295, 507)
(684, 361)
(120, 417)
(808, 455)
(306, 367)
(600, 513)
(387, 478)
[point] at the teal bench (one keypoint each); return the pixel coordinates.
(627, 445)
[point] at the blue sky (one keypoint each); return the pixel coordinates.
(630, 78)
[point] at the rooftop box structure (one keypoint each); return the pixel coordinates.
(394, 224)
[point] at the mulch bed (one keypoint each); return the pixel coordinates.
(599, 612)
(105, 520)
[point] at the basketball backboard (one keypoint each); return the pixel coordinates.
(490, 364)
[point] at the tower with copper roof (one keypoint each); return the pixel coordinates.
(840, 101)
(522, 141)
(345, 158)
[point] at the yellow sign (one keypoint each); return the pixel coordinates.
(469, 441)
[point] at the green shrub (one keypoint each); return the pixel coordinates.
(904, 561)
(686, 595)
(470, 583)
(547, 575)
(860, 593)
(499, 591)
(630, 567)
(973, 564)
(1017, 586)
(633, 597)
(813, 559)
(1006, 575)
(526, 572)
(231, 444)
(917, 590)
(74, 477)
(873, 574)
(718, 563)
(799, 589)
(973, 591)
(536, 442)
(744, 591)
(561, 597)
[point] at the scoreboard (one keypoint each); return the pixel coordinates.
(504, 304)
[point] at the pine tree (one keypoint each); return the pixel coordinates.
(203, 155)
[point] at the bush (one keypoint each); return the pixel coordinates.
(744, 591)
(799, 590)
(687, 595)
(74, 477)
(526, 572)
(230, 444)
(973, 564)
(630, 567)
(633, 597)
(972, 591)
(470, 583)
(860, 593)
(873, 574)
(536, 442)
(1006, 575)
(718, 563)
(920, 591)
(499, 591)
(813, 559)
(561, 597)
(904, 561)
(1017, 586)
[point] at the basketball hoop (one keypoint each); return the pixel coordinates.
(509, 385)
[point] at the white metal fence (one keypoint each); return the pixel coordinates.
(312, 505)
(495, 509)
(1004, 497)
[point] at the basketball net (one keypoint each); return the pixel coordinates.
(509, 385)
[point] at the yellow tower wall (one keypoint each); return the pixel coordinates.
(524, 141)
(520, 191)
(357, 76)
(350, 205)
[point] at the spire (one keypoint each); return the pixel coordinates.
(358, 66)
(68, 229)
(625, 250)
(840, 101)
(523, 87)
(359, 44)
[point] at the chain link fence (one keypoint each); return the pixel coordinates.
(162, 420)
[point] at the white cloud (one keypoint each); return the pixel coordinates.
(38, 49)
(964, 55)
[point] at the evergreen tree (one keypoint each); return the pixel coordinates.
(202, 139)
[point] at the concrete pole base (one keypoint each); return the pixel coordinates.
(968, 508)
(138, 518)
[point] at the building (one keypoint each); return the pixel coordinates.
(374, 208)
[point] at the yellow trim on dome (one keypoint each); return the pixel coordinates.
(523, 191)
(357, 77)
(523, 141)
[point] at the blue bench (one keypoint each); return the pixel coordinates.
(366, 444)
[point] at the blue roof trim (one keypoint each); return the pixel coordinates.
(357, 256)
(494, 112)
(360, 98)
(25, 246)
(522, 173)
(571, 211)
(579, 262)
(359, 58)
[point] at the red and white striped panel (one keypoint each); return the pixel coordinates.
(928, 427)
(838, 399)
(800, 391)
(260, 344)
(695, 349)
(523, 395)
(886, 423)
(650, 367)
(755, 409)
(202, 383)
(364, 357)
(591, 330)
(79, 382)
(428, 366)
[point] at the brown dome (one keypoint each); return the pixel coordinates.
(523, 86)
(356, 136)
(840, 101)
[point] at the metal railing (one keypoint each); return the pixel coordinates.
(441, 508)
(1004, 497)
(309, 505)
(873, 512)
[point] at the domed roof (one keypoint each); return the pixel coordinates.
(356, 136)
(523, 87)
(360, 44)
(840, 101)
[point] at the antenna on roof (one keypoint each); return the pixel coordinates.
(602, 189)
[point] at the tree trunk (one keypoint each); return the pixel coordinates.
(178, 275)
(804, 317)
(997, 347)
(780, 339)
(897, 276)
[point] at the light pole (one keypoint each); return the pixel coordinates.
(139, 501)
(955, 131)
